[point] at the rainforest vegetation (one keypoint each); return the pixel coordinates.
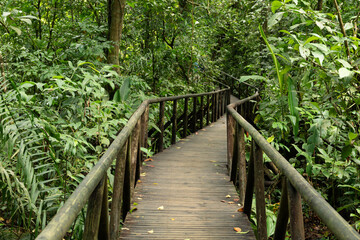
(73, 72)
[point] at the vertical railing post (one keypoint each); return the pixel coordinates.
(230, 140)
(115, 214)
(194, 114)
(201, 112)
(242, 165)
(235, 155)
(295, 212)
(213, 106)
(207, 109)
(161, 127)
(174, 123)
(260, 193)
(92, 221)
(216, 106)
(250, 181)
(186, 104)
(104, 231)
(283, 214)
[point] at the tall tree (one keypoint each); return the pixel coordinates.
(116, 9)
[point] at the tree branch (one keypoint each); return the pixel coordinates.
(342, 29)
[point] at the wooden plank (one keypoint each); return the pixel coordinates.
(189, 183)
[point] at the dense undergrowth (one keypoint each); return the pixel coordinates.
(61, 104)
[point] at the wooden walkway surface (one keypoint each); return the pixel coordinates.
(185, 193)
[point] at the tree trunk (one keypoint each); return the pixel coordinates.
(319, 5)
(116, 10)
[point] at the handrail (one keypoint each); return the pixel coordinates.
(296, 188)
(125, 149)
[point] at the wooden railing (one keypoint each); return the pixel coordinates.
(125, 150)
(294, 186)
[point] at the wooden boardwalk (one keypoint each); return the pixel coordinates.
(185, 193)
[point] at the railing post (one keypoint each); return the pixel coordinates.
(104, 216)
(186, 104)
(283, 215)
(119, 175)
(260, 193)
(194, 115)
(92, 221)
(174, 122)
(201, 112)
(161, 127)
(250, 182)
(213, 106)
(295, 212)
(235, 154)
(242, 165)
(207, 109)
(126, 197)
(230, 140)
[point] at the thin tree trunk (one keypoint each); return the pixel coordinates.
(319, 5)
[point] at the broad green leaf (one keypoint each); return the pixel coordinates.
(28, 21)
(5, 14)
(17, 30)
(274, 19)
(348, 26)
(352, 136)
(346, 151)
(310, 39)
(304, 52)
(344, 72)
(320, 25)
(125, 89)
(275, 5)
(319, 56)
(321, 47)
(117, 97)
(293, 104)
(344, 63)
(254, 77)
(270, 139)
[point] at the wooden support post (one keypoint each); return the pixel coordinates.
(174, 122)
(213, 108)
(230, 140)
(127, 181)
(144, 128)
(104, 231)
(119, 175)
(201, 112)
(283, 215)
(216, 107)
(260, 193)
(207, 109)
(295, 212)
(235, 156)
(161, 127)
(93, 214)
(220, 104)
(250, 182)
(185, 117)
(242, 165)
(194, 115)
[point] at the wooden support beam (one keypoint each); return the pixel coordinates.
(174, 122)
(207, 110)
(185, 127)
(115, 214)
(250, 182)
(193, 124)
(104, 230)
(161, 127)
(260, 194)
(295, 212)
(283, 214)
(201, 112)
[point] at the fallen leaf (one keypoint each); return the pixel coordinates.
(143, 174)
(230, 202)
(161, 208)
(148, 160)
(228, 196)
(237, 229)
(139, 198)
(172, 219)
(223, 201)
(233, 216)
(139, 181)
(150, 165)
(236, 199)
(124, 228)
(155, 183)
(241, 209)
(243, 232)
(178, 147)
(196, 133)
(213, 161)
(151, 231)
